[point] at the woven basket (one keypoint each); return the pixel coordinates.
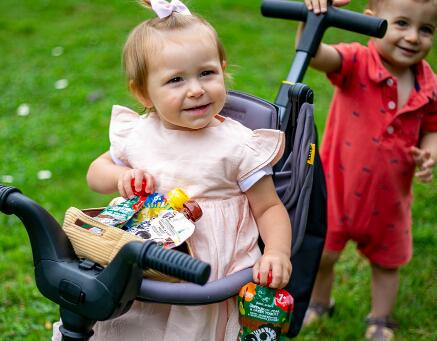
(102, 242)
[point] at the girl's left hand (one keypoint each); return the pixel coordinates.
(278, 264)
(423, 160)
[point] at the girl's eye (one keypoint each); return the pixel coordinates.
(206, 73)
(175, 80)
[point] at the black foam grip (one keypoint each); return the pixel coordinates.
(174, 263)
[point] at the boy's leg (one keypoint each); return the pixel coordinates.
(325, 277)
(321, 295)
(385, 285)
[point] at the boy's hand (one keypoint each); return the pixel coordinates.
(423, 160)
(124, 182)
(278, 264)
(321, 6)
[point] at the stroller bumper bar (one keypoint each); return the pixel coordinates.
(192, 294)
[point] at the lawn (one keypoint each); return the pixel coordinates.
(60, 75)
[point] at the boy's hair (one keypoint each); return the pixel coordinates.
(142, 42)
(373, 4)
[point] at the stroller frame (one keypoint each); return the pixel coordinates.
(87, 293)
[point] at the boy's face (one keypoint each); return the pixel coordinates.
(185, 84)
(411, 27)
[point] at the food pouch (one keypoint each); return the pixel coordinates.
(157, 202)
(264, 313)
(169, 229)
(119, 214)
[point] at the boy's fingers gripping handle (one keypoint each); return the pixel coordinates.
(174, 263)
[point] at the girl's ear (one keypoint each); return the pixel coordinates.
(140, 95)
(224, 65)
(369, 12)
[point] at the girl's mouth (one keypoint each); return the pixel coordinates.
(199, 109)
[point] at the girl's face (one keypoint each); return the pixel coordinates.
(185, 81)
(411, 27)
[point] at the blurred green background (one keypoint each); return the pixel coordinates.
(60, 73)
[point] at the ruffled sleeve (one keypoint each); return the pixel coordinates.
(123, 121)
(264, 147)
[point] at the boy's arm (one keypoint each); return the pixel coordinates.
(275, 229)
(327, 58)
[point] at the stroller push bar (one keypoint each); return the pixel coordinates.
(291, 95)
(316, 25)
(85, 291)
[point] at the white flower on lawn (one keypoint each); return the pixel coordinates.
(23, 109)
(57, 51)
(61, 84)
(44, 174)
(7, 179)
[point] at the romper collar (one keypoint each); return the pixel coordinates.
(425, 79)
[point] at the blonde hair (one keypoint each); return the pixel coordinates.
(142, 42)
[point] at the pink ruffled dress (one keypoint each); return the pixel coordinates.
(210, 164)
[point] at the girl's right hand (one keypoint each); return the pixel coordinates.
(124, 182)
(321, 6)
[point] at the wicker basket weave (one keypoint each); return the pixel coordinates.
(101, 243)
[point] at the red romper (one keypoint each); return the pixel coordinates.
(366, 158)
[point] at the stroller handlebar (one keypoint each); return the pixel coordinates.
(317, 24)
(85, 289)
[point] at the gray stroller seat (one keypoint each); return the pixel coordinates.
(294, 185)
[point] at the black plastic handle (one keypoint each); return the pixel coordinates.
(335, 17)
(174, 263)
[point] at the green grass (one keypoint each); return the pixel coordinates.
(65, 131)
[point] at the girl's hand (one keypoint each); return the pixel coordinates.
(423, 160)
(321, 6)
(278, 264)
(124, 182)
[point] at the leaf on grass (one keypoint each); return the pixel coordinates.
(44, 174)
(23, 109)
(61, 84)
(7, 179)
(57, 51)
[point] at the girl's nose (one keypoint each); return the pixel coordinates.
(195, 89)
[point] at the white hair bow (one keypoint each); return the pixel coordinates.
(164, 9)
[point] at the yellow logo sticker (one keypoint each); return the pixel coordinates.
(311, 154)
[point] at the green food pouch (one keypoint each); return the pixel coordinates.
(264, 313)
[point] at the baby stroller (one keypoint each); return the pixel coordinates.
(87, 293)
